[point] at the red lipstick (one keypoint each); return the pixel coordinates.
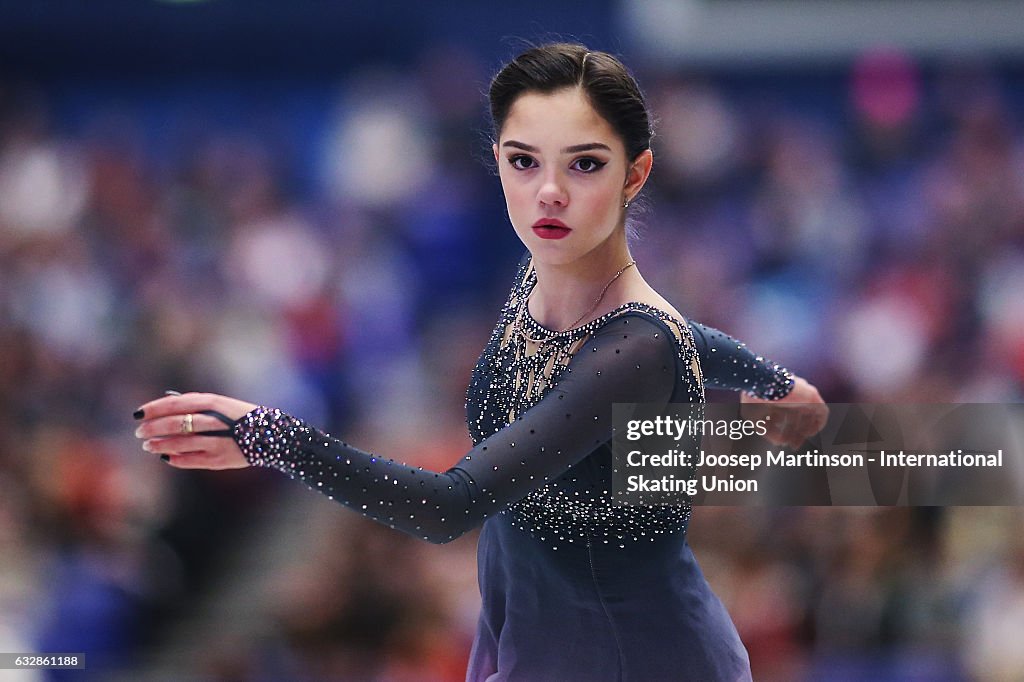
(550, 228)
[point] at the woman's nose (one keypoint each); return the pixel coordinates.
(553, 193)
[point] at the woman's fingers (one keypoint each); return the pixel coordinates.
(774, 429)
(173, 426)
(197, 452)
(820, 417)
(791, 424)
(178, 425)
(177, 445)
(805, 421)
(192, 403)
(176, 404)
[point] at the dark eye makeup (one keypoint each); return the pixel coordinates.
(521, 162)
(586, 164)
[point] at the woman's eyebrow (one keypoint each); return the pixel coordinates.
(589, 146)
(585, 147)
(520, 145)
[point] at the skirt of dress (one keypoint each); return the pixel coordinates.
(594, 611)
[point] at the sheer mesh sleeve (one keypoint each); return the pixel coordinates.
(727, 363)
(620, 362)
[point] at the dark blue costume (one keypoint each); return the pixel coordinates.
(573, 587)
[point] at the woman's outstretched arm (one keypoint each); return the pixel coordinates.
(629, 359)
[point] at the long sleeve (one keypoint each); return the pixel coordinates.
(629, 359)
(728, 363)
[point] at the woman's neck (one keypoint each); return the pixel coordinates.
(564, 293)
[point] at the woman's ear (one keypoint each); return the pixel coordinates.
(494, 148)
(639, 171)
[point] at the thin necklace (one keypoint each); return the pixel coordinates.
(582, 317)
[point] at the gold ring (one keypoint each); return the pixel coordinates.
(186, 424)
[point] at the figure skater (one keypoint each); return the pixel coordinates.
(573, 586)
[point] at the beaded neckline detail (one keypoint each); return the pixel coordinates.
(517, 371)
(525, 307)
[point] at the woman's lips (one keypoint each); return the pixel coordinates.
(550, 229)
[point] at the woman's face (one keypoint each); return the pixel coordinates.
(565, 175)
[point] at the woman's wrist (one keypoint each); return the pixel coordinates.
(778, 384)
(267, 436)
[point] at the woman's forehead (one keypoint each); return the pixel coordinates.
(564, 118)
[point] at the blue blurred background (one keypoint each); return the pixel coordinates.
(292, 203)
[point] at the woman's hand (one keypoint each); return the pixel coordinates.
(173, 428)
(790, 420)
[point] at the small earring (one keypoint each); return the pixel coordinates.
(625, 204)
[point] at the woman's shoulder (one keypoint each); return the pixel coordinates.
(644, 316)
(644, 333)
(643, 302)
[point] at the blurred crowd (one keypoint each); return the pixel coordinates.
(340, 250)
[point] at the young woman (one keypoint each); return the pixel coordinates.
(573, 587)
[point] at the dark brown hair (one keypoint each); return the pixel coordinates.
(608, 85)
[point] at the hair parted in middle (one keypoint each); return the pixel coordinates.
(606, 82)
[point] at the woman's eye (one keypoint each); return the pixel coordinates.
(522, 162)
(587, 165)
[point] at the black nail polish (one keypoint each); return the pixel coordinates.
(138, 414)
(165, 458)
(171, 391)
